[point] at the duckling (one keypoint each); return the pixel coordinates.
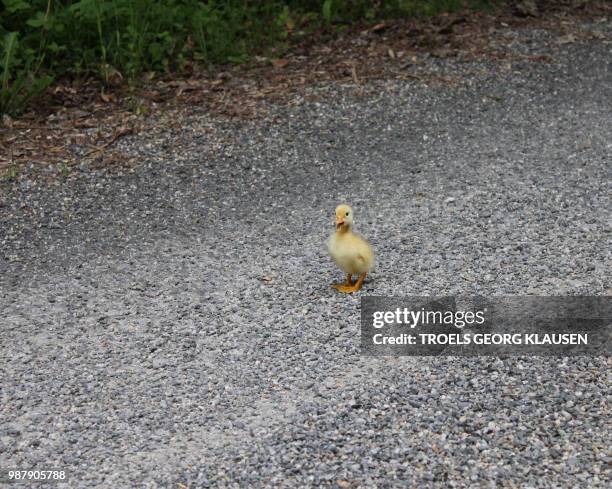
(349, 251)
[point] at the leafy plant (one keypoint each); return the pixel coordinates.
(118, 40)
(19, 83)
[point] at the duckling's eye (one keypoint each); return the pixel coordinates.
(347, 214)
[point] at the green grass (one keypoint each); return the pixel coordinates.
(10, 174)
(43, 40)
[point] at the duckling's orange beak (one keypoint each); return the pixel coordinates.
(339, 222)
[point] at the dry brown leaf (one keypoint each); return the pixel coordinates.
(280, 63)
(7, 121)
(106, 97)
(354, 74)
(570, 38)
(343, 484)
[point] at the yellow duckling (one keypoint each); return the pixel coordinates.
(349, 251)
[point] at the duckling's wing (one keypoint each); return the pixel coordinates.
(365, 255)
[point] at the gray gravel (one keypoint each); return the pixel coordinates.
(173, 325)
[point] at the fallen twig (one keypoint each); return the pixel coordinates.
(123, 131)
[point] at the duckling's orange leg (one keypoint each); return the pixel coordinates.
(348, 282)
(349, 289)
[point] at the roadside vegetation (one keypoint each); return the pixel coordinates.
(126, 41)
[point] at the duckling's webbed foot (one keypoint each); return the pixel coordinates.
(349, 289)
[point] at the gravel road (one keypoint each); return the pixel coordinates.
(172, 325)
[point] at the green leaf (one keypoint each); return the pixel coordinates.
(13, 6)
(327, 10)
(41, 20)
(238, 59)
(10, 45)
(55, 48)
